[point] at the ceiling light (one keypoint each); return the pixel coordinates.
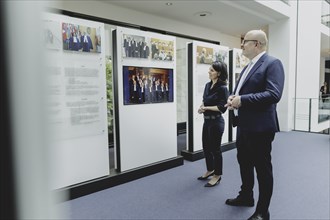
(168, 3)
(203, 14)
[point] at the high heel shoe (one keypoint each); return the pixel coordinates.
(205, 177)
(211, 185)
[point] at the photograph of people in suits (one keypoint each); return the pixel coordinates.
(81, 38)
(204, 55)
(147, 85)
(162, 49)
(135, 46)
(253, 110)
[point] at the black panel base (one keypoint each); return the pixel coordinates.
(197, 155)
(106, 182)
(192, 156)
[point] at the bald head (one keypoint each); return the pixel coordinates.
(260, 36)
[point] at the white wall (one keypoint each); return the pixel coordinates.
(322, 71)
(279, 47)
(282, 44)
(308, 51)
(309, 58)
(182, 80)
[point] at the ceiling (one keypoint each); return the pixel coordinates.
(229, 17)
(232, 17)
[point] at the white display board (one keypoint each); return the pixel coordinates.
(146, 126)
(77, 99)
(203, 56)
(239, 62)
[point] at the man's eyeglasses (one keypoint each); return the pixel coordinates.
(245, 41)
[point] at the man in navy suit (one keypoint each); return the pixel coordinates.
(87, 44)
(253, 102)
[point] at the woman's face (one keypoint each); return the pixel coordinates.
(212, 73)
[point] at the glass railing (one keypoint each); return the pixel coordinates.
(312, 114)
(324, 108)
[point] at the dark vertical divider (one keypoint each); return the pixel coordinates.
(190, 98)
(115, 96)
(8, 201)
(230, 79)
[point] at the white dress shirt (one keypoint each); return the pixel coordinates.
(246, 73)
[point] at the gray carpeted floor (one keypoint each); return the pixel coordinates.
(301, 188)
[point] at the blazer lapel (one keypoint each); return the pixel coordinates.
(254, 68)
(239, 79)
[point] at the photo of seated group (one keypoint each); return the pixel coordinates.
(145, 85)
(161, 49)
(204, 55)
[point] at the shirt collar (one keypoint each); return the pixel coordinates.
(256, 58)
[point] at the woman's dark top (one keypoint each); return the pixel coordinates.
(217, 96)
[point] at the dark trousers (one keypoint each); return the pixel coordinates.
(254, 151)
(211, 138)
(324, 96)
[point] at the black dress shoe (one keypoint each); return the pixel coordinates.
(239, 201)
(211, 185)
(260, 216)
(205, 177)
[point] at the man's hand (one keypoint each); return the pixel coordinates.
(236, 102)
(229, 102)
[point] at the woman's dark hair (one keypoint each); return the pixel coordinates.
(221, 68)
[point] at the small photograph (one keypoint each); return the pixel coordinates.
(51, 35)
(147, 85)
(135, 46)
(220, 55)
(162, 49)
(204, 55)
(241, 60)
(81, 38)
(98, 40)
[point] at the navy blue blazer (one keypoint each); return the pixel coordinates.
(260, 92)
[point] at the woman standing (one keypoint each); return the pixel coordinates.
(214, 98)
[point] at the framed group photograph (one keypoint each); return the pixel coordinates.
(162, 49)
(220, 55)
(146, 85)
(81, 38)
(204, 55)
(135, 46)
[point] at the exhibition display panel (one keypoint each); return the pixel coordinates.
(144, 98)
(76, 83)
(200, 57)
